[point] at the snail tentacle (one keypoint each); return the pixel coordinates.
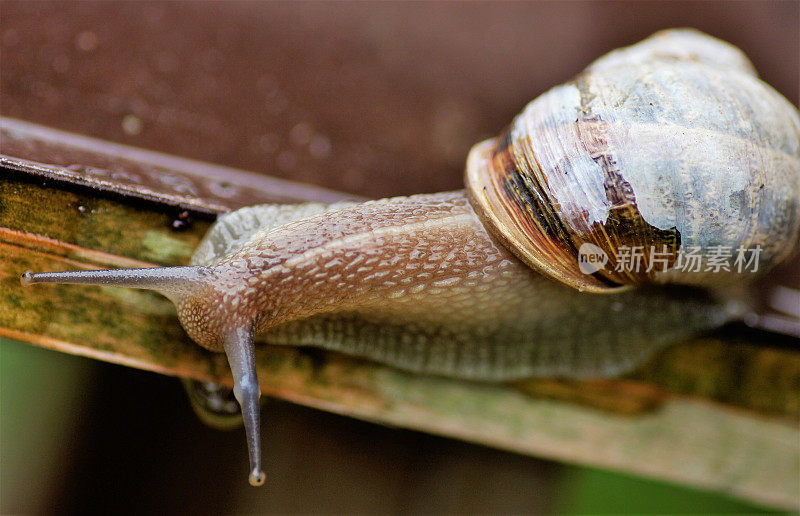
(163, 279)
(241, 357)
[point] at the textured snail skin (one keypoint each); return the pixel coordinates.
(417, 282)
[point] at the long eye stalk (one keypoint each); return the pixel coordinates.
(241, 357)
(238, 344)
(163, 279)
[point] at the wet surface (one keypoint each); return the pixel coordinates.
(373, 99)
(39, 154)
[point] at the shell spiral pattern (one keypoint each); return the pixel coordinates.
(672, 143)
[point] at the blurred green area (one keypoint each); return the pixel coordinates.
(43, 397)
(40, 413)
(593, 491)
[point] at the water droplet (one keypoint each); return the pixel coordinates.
(301, 134)
(320, 147)
(182, 221)
(223, 189)
(132, 125)
(178, 183)
(268, 143)
(86, 41)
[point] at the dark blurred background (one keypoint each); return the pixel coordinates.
(371, 98)
(375, 99)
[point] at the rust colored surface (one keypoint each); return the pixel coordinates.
(39, 152)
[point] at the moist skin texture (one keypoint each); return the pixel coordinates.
(418, 283)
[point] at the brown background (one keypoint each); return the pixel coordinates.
(375, 99)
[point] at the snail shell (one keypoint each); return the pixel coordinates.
(672, 143)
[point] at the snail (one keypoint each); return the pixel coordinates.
(664, 147)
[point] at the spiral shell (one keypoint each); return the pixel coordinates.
(670, 144)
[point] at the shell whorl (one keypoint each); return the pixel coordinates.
(672, 143)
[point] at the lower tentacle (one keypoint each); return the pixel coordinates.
(241, 357)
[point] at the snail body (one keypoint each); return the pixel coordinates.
(485, 283)
(419, 283)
